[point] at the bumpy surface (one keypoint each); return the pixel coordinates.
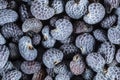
(114, 35)
(27, 51)
(77, 65)
(95, 61)
(3, 4)
(62, 77)
(52, 57)
(32, 24)
(100, 35)
(7, 16)
(108, 51)
(30, 67)
(41, 11)
(108, 22)
(76, 9)
(11, 30)
(63, 29)
(4, 55)
(85, 42)
(96, 13)
(12, 75)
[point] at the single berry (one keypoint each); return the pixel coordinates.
(27, 51)
(30, 67)
(52, 57)
(85, 42)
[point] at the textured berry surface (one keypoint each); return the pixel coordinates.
(32, 24)
(27, 51)
(7, 16)
(76, 9)
(63, 29)
(96, 13)
(52, 57)
(85, 42)
(77, 65)
(100, 35)
(62, 77)
(30, 67)
(4, 55)
(107, 49)
(95, 61)
(3, 4)
(114, 35)
(12, 75)
(108, 21)
(11, 30)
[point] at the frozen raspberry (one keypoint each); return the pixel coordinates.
(27, 51)
(77, 65)
(63, 29)
(7, 16)
(11, 30)
(95, 61)
(108, 22)
(85, 42)
(48, 41)
(100, 35)
(76, 8)
(41, 10)
(52, 57)
(107, 49)
(30, 67)
(114, 35)
(96, 13)
(12, 75)
(32, 24)
(62, 77)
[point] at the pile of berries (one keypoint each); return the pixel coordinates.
(59, 39)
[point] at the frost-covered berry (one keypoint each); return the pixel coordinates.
(111, 4)
(61, 68)
(107, 49)
(69, 50)
(114, 35)
(117, 56)
(88, 74)
(12, 75)
(7, 16)
(2, 39)
(52, 57)
(108, 21)
(48, 78)
(96, 13)
(8, 66)
(48, 41)
(85, 42)
(30, 67)
(63, 29)
(62, 77)
(14, 51)
(41, 10)
(100, 35)
(81, 27)
(32, 24)
(95, 61)
(11, 30)
(4, 55)
(27, 51)
(3, 4)
(77, 65)
(100, 76)
(58, 6)
(76, 8)
(24, 13)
